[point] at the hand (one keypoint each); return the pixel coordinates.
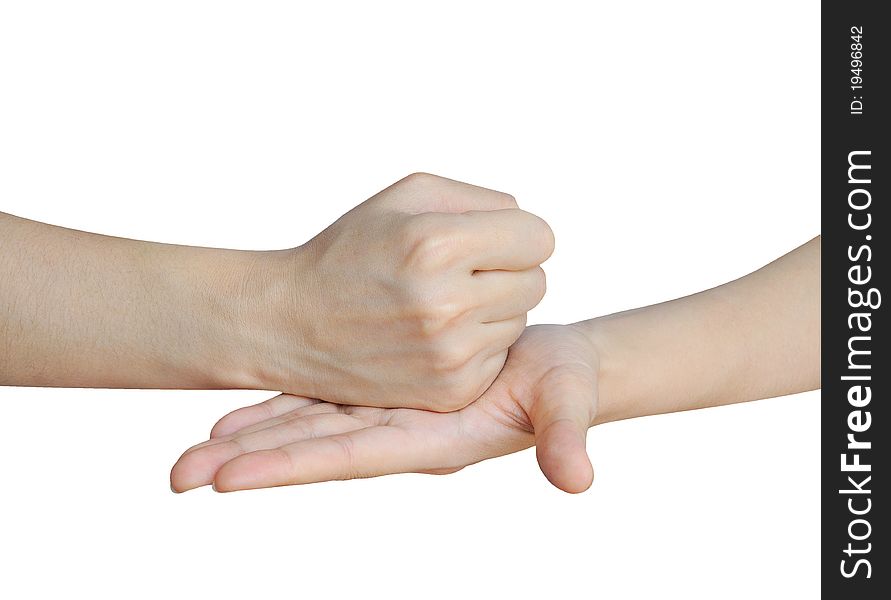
(411, 299)
(546, 395)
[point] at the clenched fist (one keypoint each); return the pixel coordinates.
(411, 299)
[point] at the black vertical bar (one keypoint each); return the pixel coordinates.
(855, 272)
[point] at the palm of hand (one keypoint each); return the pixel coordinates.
(545, 395)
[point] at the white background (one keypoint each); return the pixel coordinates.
(671, 145)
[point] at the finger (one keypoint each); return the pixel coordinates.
(561, 416)
(423, 192)
(498, 336)
(368, 452)
(489, 369)
(370, 415)
(197, 467)
(316, 408)
(509, 239)
(506, 294)
(250, 415)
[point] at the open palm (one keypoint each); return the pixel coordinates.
(545, 395)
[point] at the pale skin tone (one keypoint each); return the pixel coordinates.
(403, 309)
(411, 299)
(752, 338)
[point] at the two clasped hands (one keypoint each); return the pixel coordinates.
(399, 334)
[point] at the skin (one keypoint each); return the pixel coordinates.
(411, 299)
(752, 338)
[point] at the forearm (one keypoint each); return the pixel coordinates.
(752, 338)
(410, 299)
(79, 309)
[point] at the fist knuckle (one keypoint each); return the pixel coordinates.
(545, 236)
(434, 313)
(538, 233)
(449, 358)
(456, 391)
(418, 179)
(431, 326)
(519, 326)
(431, 251)
(509, 200)
(539, 285)
(428, 243)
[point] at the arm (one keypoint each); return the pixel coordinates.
(85, 310)
(752, 338)
(755, 337)
(411, 298)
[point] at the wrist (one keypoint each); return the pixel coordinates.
(263, 321)
(668, 357)
(610, 359)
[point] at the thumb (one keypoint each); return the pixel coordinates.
(423, 192)
(561, 416)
